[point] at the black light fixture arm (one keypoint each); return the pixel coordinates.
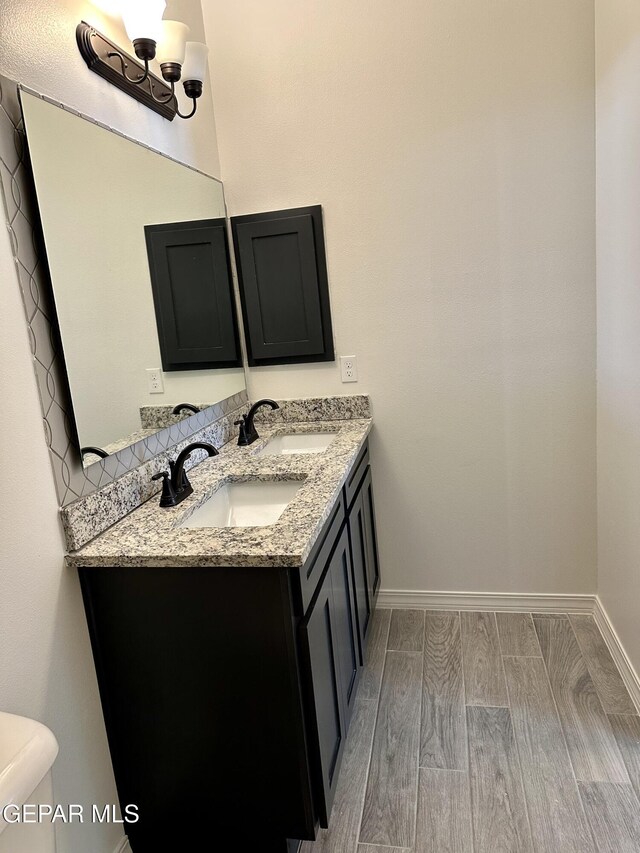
(145, 76)
(169, 96)
(192, 113)
(193, 90)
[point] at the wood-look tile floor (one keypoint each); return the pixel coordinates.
(488, 733)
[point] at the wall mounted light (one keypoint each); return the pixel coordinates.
(152, 38)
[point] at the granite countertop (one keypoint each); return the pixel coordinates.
(149, 536)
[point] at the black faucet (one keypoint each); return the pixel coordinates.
(248, 432)
(175, 486)
(186, 407)
(97, 451)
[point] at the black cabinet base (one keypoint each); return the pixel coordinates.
(196, 669)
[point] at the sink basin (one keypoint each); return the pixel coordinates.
(250, 504)
(303, 442)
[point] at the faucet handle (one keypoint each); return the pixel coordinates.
(243, 439)
(168, 497)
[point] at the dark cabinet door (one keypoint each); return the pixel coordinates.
(330, 640)
(373, 562)
(359, 558)
(327, 721)
(193, 295)
(346, 623)
(282, 274)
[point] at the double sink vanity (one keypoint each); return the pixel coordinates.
(228, 634)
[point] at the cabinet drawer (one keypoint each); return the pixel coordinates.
(356, 475)
(311, 572)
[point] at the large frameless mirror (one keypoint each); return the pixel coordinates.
(139, 332)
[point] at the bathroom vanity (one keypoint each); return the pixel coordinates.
(228, 657)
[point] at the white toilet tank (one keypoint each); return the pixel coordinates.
(27, 752)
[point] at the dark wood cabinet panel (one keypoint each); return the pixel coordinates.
(328, 726)
(346, 623)
(373, 561)
(358, 532)
(313, 569)
(197, 670)
(193, 295)
(331, 643)
(282, 273)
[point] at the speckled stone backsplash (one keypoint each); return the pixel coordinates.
(347, 408)
(90, 516)
(161, 417)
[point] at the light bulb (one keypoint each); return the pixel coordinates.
(143, 19)
(172, 43)
(195, 61)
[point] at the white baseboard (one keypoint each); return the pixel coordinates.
(123, 845)
(627, 671)
(508, 601)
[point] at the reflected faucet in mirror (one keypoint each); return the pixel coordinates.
(95, 451)
(175, 485)
(184, 407)
(248, 433)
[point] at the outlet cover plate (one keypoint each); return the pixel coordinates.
(348, 368)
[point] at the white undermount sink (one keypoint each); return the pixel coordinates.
(245, 504)
(303, 442)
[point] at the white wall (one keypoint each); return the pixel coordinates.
(452, 147)
(46, 670)
(618, 224)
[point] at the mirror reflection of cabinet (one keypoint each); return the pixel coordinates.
(193, 295)
(97, 191)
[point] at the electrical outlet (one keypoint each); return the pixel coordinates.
(154, 380)
(349, 368)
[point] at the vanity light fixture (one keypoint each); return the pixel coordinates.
(152, 38)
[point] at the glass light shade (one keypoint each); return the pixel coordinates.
(195, 61)
(173, 42)
(143, 19)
